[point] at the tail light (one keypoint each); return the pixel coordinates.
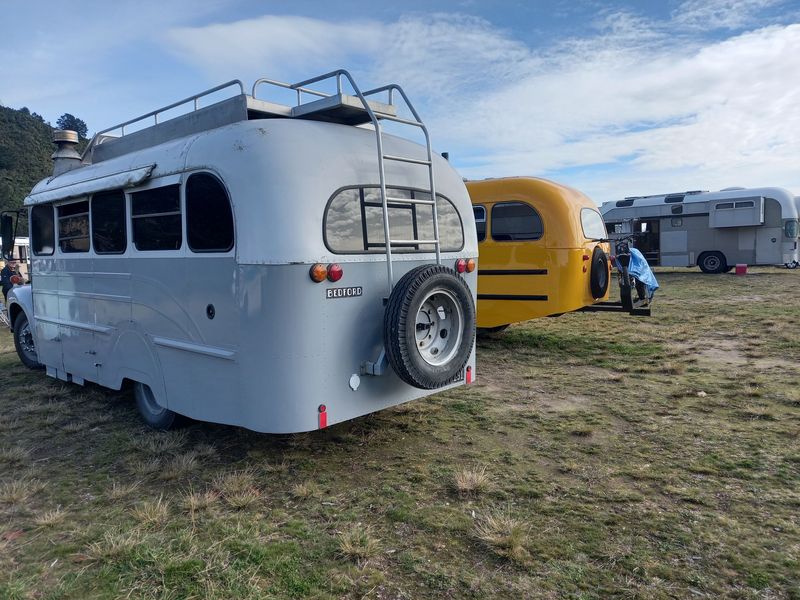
(318, 272)
(335, 272)
(461, 265)
(470, 265)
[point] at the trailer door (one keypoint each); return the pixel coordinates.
(768, 246)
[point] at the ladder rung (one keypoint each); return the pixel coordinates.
(415, 161)
(413, 242)
(408, 201)
(385, 117)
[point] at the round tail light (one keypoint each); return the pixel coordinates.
(470, 265)
(335, 272)
(318, 272)
(461, 265)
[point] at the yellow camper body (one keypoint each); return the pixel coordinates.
(540, 250)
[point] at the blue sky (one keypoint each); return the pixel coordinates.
(614, 98)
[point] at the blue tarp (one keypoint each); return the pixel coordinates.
(642, 271)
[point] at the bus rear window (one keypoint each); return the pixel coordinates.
(592, 223)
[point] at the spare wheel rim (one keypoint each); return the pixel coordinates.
(439, 327)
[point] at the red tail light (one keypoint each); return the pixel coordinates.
(335, 272)
(461, 265)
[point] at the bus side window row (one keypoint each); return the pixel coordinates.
(156, 220)
(511, 222)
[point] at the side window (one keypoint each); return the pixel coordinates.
(43, 232)
(354, 222)
(480, 221)
(156, 217)
(592, 224)
(109, 235)
(515, 222)
(209, 219)
(73, 227)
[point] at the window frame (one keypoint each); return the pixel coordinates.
(512, 202)
(34, 238)
(185, 207)
(583, 224)
(381, 248)
(485, 221)
(125, 219)
(154, 185)
(58, 219)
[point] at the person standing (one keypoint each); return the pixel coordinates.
(5, 278)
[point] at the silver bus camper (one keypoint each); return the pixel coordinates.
(232, 263)
(711, 230)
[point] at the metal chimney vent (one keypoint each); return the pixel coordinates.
(66, 156)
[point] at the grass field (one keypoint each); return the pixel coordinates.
(597, 456)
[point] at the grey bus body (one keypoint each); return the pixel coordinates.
(242, 335)
(712, 230)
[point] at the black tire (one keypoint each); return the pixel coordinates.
(712, 262)
(408, 341)
(792, 265)
(155, 415)
(25, 344)
(625, 288)
(598, 276)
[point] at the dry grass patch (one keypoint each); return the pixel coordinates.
(13, 456)
(118, 490)
(471, 481)
(306, 490)
(51, 518)
(152, 512)
(358, 544)
(113, 545)
(505, 536)
(143, 468)
(75, 426)
(195, 502)
(238, 488)
(244, 499)
(161, 442)
(18, 491)
(205, 450)
(179, 465)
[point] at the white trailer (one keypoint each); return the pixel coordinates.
(232, 263)
(712, 230)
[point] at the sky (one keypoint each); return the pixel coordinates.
(615, 98)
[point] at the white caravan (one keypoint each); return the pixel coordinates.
(232, 265)
(711, 230)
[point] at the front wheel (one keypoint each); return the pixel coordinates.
(24, 343)
(152, 412)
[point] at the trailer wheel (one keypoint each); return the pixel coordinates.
(490, 332)
(429, 327)
(792, 265)
(712, 262)
(24, 343)
(152, 412)
(598, 277)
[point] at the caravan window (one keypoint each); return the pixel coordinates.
(790, 229)
(354, 222)
(73, 227)
(724, 205)
(745, 204)
(209, 219)
(43, 233)
(592, 224)
(516, 222)
(156, 216)
(480, 221)
(108, 222)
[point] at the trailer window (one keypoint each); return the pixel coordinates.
(480, 221)
(73, 227)
(515, 222)
(43, 233)
(209, 219)
(790, 229)
(745, 204)
(354, 222)
(108, 222)
(156, 217)
(592, 224)
(724, 205)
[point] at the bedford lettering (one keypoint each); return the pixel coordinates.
(347, 292)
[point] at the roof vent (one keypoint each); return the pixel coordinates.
(66, 156)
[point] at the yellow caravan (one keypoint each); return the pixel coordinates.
(542, 250)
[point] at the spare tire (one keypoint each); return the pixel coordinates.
(429, 327)
(598, 277)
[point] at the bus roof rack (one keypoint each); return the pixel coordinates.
(669, 194)
(151, 128)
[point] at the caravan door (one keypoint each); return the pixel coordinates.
(768, 246)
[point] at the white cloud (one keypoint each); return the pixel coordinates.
(637, 107)
(720, 14)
